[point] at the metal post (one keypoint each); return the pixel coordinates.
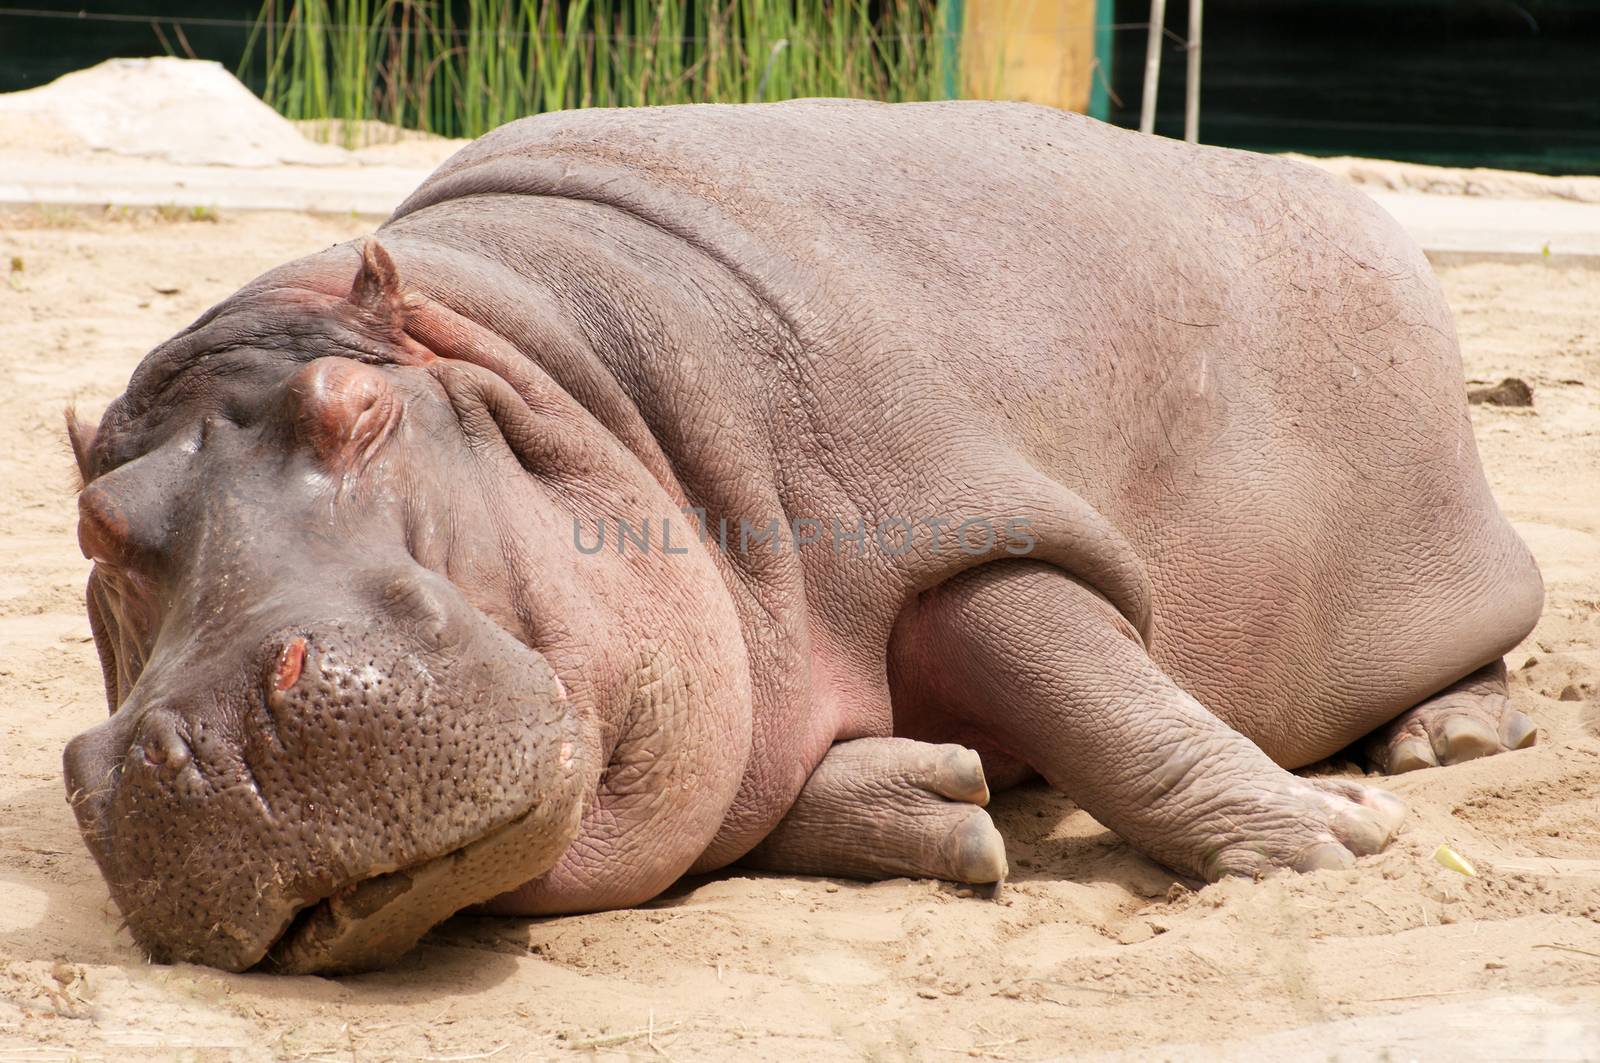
(955, 15)
(1191, 99)
(1105, 13)
(1152, 66)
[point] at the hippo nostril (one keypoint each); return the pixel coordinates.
(160, 747)
(291, 660)
(167, 754)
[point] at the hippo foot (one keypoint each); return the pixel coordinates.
(1329, 823)
(1470, 719)
(879, 808)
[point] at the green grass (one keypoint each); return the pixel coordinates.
(461, 68)
(171, 212)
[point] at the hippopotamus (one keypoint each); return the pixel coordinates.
(659, 490)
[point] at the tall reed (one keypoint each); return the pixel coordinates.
(462, 67)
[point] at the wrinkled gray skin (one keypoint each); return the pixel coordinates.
(362, 675)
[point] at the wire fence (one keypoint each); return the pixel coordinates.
(242, 23)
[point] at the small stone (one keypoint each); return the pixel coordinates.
(1512, 391)
(1134, 933)
(928, 994)
(1492, 965)
(1570, 693)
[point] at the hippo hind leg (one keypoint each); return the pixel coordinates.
(1471, 718)
(1047, 669)
(879, 808)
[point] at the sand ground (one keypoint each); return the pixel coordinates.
(1089, 950)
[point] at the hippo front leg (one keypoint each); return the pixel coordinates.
(879, 808)
(1051, 673)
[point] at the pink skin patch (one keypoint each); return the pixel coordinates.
(290, 660)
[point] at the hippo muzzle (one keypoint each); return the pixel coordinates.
(321, 808)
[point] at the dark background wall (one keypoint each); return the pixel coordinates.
(35, 49)
(1453, 82)
(1456, 82)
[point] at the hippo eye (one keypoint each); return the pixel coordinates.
(123, 514)
(103, 533)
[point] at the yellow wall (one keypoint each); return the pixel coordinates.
(1041, 51)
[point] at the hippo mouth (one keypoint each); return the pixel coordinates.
(372, 922)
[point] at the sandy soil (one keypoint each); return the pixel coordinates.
(1089, 950)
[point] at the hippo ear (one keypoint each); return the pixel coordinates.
(376, 293)
(81, 436)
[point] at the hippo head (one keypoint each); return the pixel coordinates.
(343, 707)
